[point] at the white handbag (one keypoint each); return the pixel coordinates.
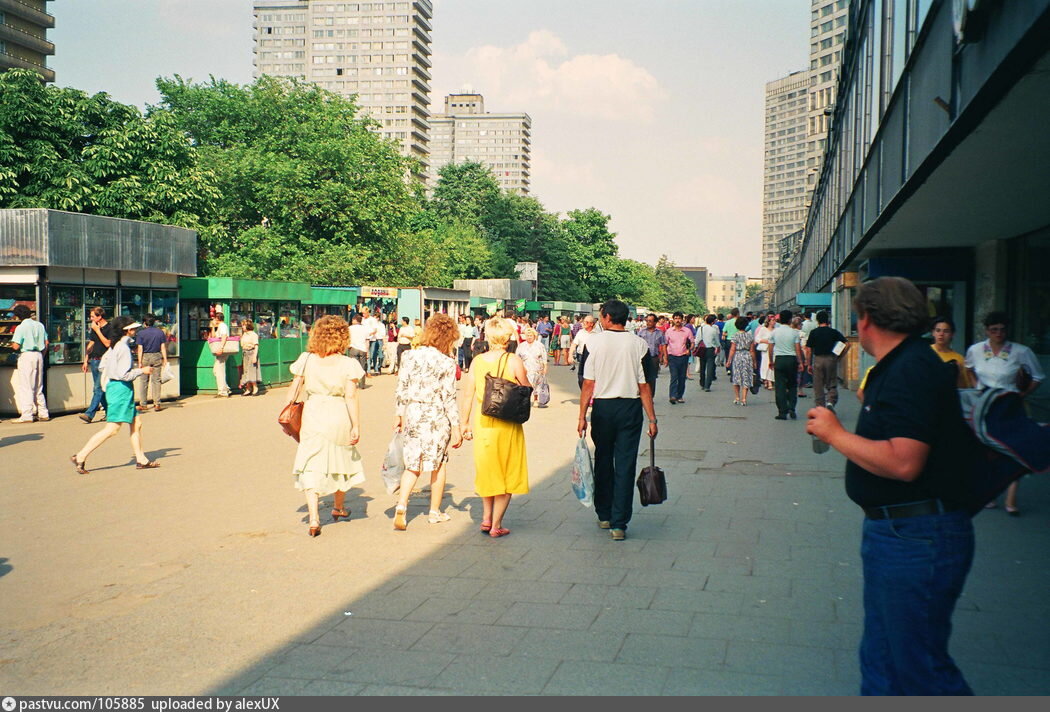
(232, 346)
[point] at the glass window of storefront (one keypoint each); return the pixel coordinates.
(1030, 302)
(10, 296)
(265, 319)
(289, 320)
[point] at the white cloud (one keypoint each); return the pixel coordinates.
(540, 74)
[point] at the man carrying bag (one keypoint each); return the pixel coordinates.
(614, 378)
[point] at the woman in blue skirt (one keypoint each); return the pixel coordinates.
(120, 396)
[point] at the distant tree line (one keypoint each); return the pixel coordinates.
(218, 157)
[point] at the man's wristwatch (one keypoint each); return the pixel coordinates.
(653, 421)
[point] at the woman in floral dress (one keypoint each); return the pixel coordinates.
(427, 415)
(742, 356)
(534, 356)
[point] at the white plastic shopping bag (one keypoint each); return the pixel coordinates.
(167, 374)
(583, 474)
(394, 464)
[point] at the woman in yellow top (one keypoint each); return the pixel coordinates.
(501, 468)
(943, 332)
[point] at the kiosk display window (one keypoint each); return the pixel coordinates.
(165, 306)
(65, 328)
(134, 303)
(265, 319)
(10, 296)
(239, 312)
(196, 320)
(289, 320)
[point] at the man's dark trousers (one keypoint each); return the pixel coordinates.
(707, 368)
(616, 425)
(651, 369)
(677, 365)
(785, 379)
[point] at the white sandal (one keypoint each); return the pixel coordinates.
(437, 517)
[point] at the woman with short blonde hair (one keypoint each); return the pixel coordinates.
(327, 460)
(426, 414)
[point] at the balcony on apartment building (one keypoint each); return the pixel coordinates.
(28, 12)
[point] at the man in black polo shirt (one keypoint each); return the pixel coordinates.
(823, 362)
(909, 469)
(97, 344)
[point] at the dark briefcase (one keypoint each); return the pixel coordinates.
(652, 485)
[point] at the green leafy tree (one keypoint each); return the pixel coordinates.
(63, 149)
(677, 292)
(465, 191)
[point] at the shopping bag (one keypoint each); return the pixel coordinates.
(583, 474)
(167, 374)
(652, 485)
(394, 464)
(543, 393)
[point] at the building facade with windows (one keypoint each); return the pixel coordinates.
(936, 169)
(377, 52)
(828, 25)
(728, 292)
(501, 141)
(23, 36)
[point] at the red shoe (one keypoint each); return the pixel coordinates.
(496, 533)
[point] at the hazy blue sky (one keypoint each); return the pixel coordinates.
(651, 111)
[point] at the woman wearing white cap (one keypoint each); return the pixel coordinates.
(120, 396)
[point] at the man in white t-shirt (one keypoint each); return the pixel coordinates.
(614, 378)
(578, 348)
(359, 344)
(375, 342)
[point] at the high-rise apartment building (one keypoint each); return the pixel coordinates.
(466, 132)
(827, 29)
(23, 36)
(378, 52)
(785, 193)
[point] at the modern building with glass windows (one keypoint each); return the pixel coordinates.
(23, 36)
(936, 168)
(466, 132)
(378, 52)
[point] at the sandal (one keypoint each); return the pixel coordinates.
(1012, 511)
(400, 519)
(81, 467)
(486, 526)
(498, 532)
(148, 466)
(437, 517)
(336, 513)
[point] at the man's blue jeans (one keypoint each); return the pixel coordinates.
(677, 365)
(375, 356)
(98, 396)
(914, 571)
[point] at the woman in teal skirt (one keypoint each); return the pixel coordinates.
(120, 396)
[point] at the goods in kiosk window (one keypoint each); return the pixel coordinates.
(65, 329)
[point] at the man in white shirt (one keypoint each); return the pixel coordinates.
(359, 344)
(578, 348)
(222, 333)
(375, 342)
(613, 377)
(788, 361)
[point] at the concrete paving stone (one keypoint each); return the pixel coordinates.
(616, 596)
(824, 685)
(801, 608)
(824, 634)
(698, 601)
(719, 683)
(672, 651)
(640, 530)
(416, 668)
(471, 638)
(442, 586)
(275, 686)
(813, 513)
(363, 633)
(452, 564)
(705, 562)
(607, 575)
(514, 675)
(390, 606)
(407, 691)
(726, 626)
(634, 620)
(988, 679)
(550, 615)
(560, 644)
(590, 678)
(574, 557)
(797, 570)
(666, 579)
(761, 586)
(777, 659)
(593, 539)
(309, 662)
(529, 591)
(331, 688)
(622, 558)
(459, 610)
(503, 570)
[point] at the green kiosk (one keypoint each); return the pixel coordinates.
(281, 311)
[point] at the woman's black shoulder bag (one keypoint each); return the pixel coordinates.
(506, 400)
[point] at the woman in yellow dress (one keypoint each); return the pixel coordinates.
(500, 466)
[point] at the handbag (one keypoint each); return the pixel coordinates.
(506, 400)
(291, 417)
(652, 485)
(233, 345)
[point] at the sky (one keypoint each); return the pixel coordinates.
(648, 110)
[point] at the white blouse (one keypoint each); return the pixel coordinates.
(1000, 370)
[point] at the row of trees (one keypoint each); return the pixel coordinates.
(219, 157)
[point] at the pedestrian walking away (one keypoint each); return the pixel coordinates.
(249, 359)
(501, 468)
(327, 460)
(679, 344)
(578, 350)
(787, 361)
(30, 342)
(909, 468)
(97, 345)
(824, 347)
(119, 374)
(427, 415)
(151, 349)
(615, 382)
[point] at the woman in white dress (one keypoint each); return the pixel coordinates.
(327, 460)
(427, 414)
(999, 363)
(534, 356)
(763, 335)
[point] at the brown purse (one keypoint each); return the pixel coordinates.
(291, 417)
